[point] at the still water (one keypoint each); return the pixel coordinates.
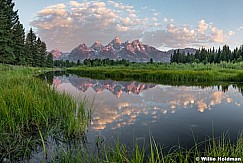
(133, 111)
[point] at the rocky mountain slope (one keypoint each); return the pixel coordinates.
(134, 51)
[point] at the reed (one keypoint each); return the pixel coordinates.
(29, 107)
(159, 75)
(212, 147)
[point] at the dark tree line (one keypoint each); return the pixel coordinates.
(15, 48)
(65, 63)
(105, 62)
(209, 55)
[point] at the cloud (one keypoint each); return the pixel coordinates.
(175, 36)
(240, 28)
(217, 35)
(65, 26)
(156, 14)
(165, 19)
(202, 26)
(76, 4)
(133, 16)
(58, 9)
(231, 33)
(154, 19)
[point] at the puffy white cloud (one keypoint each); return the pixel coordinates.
(58, 9)
(131, 11)
(217, 35)
(165, 19)
(182, 36)
(133, 16)
(202, 26)
(121, 28)
(154, 19)
(156, 14)
(76, 4)
(231, 33)
(157, 24)
(98, 4)
(171, 28)
(127, 21)
(65, 26)
(240, 28)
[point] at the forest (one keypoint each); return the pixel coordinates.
(16, 47)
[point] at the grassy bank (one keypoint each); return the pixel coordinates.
(212, 147)
(31, 111)
(166, 72)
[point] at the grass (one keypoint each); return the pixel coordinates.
(158, 72)
(31, 111)
(212, 147)
(30, 107)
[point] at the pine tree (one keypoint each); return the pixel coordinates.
(78, 63)
(151, 60)
(8, 20)
(31, 50)
(19, 48)
(49, 60)
(43, 54)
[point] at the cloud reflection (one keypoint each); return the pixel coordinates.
(119, 104)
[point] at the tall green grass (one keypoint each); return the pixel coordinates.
(212, 147)
(157, 75)
(31, 111)
(162, 72)
(29, 107)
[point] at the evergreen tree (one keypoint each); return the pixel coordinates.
(78, 63)
(19, 48)
(31, 48)
(37, 55)
(49, 60)
(9, 23)
(43, 54)
(151, 60)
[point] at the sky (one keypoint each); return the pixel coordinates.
(164, 24)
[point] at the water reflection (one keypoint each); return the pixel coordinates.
(117, 88)
(134, 110)
(120, 104)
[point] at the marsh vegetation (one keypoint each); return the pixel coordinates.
(31, 111)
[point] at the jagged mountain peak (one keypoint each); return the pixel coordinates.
(134, 51)
(97, 46)
(97, 43)
(56, 53)
(136, 42)
(116, 40)
(82, 45)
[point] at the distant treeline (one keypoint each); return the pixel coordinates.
(105, 62)
(209, 55)
(15, 48)
(91, 63)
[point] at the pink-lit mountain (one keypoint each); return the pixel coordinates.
(115, 87)
(58, 55)
(134, 51)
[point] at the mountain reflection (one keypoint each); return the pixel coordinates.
(119, 104)
(117, 88)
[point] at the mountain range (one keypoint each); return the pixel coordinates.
(115, 87)
(134, 51)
